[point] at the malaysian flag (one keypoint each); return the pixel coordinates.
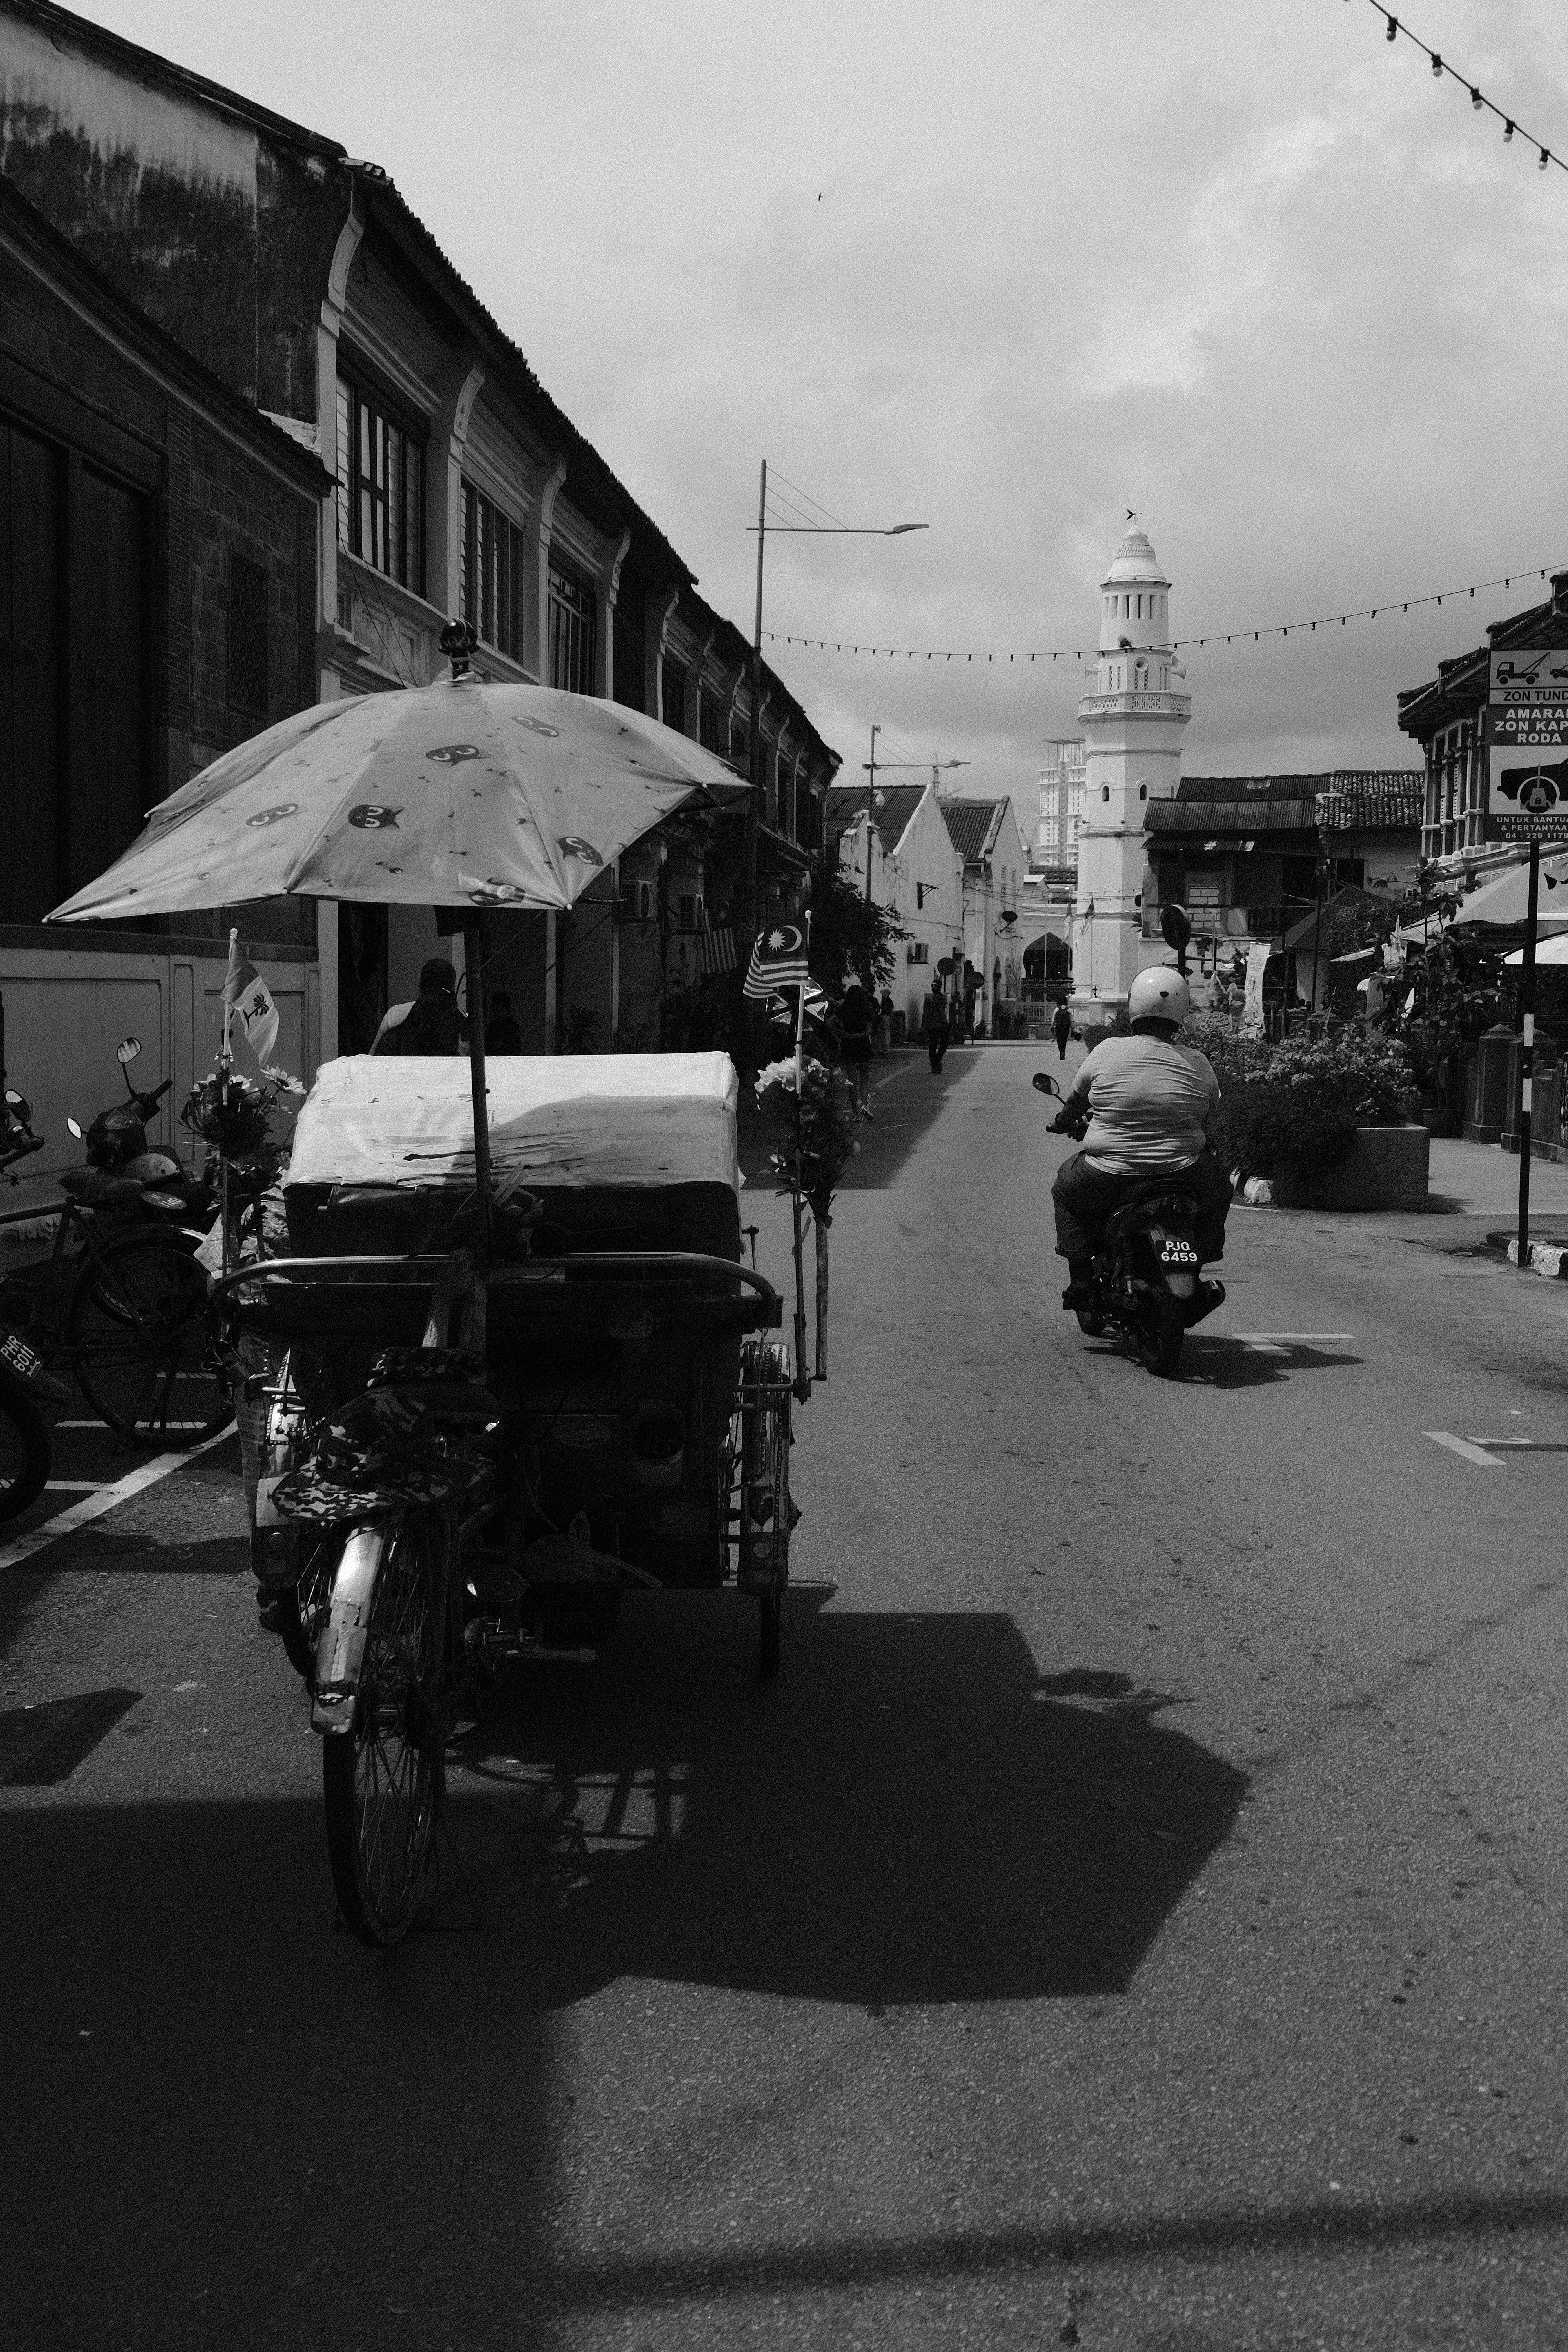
(778, 961)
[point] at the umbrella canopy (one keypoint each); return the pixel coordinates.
(1552, 950)
(1504, 902)
(462, 792)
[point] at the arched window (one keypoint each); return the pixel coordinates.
(1105, 792)
(1143, 791)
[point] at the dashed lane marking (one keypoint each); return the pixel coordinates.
(1289, 1339)
(94, 1505)
(1464, 1448)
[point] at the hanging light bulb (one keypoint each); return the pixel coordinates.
(1392, 32)
(1545, 158)
(1507, 133)
(1476, 100)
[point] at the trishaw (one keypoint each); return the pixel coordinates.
(471, 1444)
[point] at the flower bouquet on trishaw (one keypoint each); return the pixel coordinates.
(520, 1366)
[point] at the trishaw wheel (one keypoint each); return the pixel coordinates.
(382, 1780)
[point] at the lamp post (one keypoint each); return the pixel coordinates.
(754, 756)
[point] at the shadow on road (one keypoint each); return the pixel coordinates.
(1211, 1359)
(910, 1816)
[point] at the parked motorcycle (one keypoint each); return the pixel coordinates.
(123, 1173)
(26, 1451)
(1146, 1278)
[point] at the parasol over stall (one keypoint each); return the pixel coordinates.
(466, 792)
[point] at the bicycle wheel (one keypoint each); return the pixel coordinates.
(24, 1455)
(381, 1782)
(137, 1338)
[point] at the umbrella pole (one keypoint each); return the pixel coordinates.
(473, 958)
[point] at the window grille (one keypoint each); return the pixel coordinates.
(381, 488)
(491, 572)
(247, 638)
(573, 616)
(687, 916)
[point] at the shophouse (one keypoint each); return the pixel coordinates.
(1444, 717)
(901, 852)
(1243, 853)
(454, 485)
(157, 605)
(986, 836)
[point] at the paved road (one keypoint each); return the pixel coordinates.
(1135, 1918)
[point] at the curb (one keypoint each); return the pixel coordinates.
(1549, 1259)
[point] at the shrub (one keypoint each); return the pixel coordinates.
(1259, 1125)
(1299, 1102)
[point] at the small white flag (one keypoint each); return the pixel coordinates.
(248, 999)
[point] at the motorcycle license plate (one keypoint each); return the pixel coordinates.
(1177, 1253)
(20, 1357)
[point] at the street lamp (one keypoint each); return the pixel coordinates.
(804, 529)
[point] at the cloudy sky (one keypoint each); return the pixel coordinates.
(1008, 269)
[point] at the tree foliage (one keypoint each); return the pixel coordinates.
(850, 932)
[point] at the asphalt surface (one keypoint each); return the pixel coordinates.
(1135, 1918)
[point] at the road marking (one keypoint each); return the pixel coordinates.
(1464, 1448)
(94, 1505)
(1288, 1339)
(75, 1485)
(1521, 1445)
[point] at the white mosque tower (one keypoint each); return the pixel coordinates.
(1132, 725)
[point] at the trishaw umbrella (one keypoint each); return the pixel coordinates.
(463, 792)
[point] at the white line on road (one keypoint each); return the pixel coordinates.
(1289, 1339)
(93, 1506)
(75, 1485)
(1464, 1449)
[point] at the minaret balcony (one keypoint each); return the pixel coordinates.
(1135, 706)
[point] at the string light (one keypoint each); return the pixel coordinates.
(1478, 100)
(1081, 653)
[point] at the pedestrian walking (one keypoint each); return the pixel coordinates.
(1061, 1030)
(854, 1025)
(885, 1022)
(934, 1024)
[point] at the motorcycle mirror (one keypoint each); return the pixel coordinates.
(128, 1049)
(75, 1129)
(1046, 1086)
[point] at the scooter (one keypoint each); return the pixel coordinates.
(1145, 1282)
(26, 1450)
(122, 1174)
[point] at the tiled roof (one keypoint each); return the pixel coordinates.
(895, 804)
(974, 825)
(1248, 817)
(1359, 800)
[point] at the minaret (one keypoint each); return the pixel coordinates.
(1132, 724)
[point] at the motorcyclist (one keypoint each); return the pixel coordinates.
(1147, 1100)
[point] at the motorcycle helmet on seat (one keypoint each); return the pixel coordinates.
(1158, 994)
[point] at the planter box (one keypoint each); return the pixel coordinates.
(1385, 1168)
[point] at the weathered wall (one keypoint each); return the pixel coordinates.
(217, 231)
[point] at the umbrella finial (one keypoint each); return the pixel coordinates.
(460, 641)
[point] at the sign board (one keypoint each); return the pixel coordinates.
(1526, 726)
(1252, 1004)
(1527, 793)
(1522, 677)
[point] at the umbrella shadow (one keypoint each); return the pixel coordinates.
(910, 1815)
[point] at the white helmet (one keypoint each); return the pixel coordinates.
(1158, 994)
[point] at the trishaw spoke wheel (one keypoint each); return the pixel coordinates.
(381, 1780)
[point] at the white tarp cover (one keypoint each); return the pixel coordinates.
(565, 1119)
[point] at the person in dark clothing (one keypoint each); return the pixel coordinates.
(933, 1026)
(854, 1025)
(1061, 1030)
(702, 1026)
(885, 1022)
(504, 1034)
(432, 1023)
